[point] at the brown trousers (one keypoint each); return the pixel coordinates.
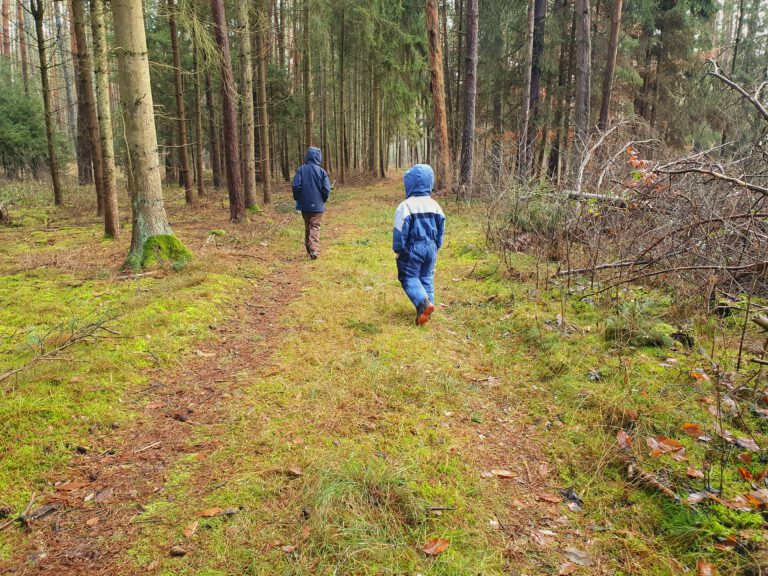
(312, 230)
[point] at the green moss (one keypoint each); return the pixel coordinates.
(159, 249)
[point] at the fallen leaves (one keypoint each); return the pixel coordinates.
(71, 486)
(502, 474)
(435, 546)
(578, 556)
(693, 430)
(748, 444)
(624, 440)
(209, 512)
(552, 498)
(91, 522)
(705, 568)
(694, 473)
(745, 474)
(190, 530)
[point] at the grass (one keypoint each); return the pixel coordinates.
(362, 437)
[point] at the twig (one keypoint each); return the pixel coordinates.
(148, 447)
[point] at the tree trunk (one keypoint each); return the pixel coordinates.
(262, 27)
(82, 145)
(249, 144)
(151, 239)
(457, 111)
(583, 81)
(7, 28)
(537, 55)
(37, 8)
(58, 8)
(470, 95)
(563, 103)
(443, 171)
(613, 50)
(307, 80)
(344, 155)
(198, 116)
(85, 80)
(104, 118)
(22, 46)
(213, 136)
(181, 116)
(525, 113)
(228, 97)
(498, 132)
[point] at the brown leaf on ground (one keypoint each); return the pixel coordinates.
(92, 521)
(745, 458)
(578, 556)
(70, 486)
(567, 569)
(190, 530)
(699, 374)
(748, 443)
(705, 568)
(624, 440)
(694, 472)
(503, 474)
(435, 546)
(209, 512)
(152, 566)
(546, 497)
(745, 474)
(693, 430)
(103, 494)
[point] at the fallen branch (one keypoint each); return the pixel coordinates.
(717, 175)
(649, 480)
(761, 321)
(576, 195)
(717, 73)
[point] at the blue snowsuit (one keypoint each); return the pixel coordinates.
(311, 186)
(418, 235)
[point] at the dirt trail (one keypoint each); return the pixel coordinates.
(100, 518)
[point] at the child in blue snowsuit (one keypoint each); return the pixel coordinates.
(418, 235)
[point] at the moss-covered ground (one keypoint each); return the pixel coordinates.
(357, 438)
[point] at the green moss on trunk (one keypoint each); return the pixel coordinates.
(158, 249)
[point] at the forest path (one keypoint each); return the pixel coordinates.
(318, 431)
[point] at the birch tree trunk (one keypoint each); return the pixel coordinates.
(442, 156)
(228, 97)
(104, 118)
(151, 239)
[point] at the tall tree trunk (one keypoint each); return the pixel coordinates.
(213, 135)
(58, 9)
(343, 164)
(181, 116)
(37, 8)
(104, 118)
(443, 172)
(228, 97)
(82, 145)
(7, 28)
(450, 111)
(470, 95)
(262, 28)
(563, 103)
(498, 132)
(85, 80)
(537, 55)
(736, 43)
(151, 237)
(249, 144)
(613, 50)
(583, 81)
(457, 111)
(198, 116)
(307, 79)
(525, 113)
(22, 46)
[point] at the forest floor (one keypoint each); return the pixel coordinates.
(260, 413)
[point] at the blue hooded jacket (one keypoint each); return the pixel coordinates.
(311, 186)
(419, 218)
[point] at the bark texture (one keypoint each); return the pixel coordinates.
(442, 152)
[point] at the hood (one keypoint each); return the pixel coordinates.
(419, 181)
(314, 156)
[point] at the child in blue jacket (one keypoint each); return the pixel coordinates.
(418, 235)
(311, 189)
